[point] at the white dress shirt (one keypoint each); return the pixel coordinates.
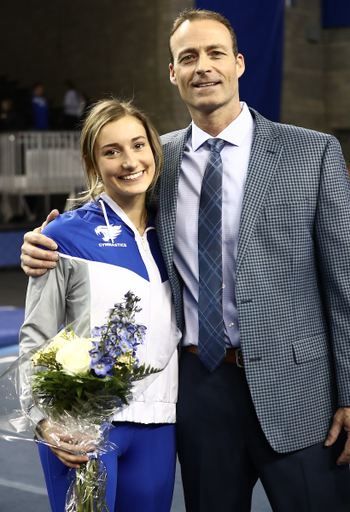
(235, 158)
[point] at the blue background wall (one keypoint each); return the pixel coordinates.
(335, 13)
(259, 28)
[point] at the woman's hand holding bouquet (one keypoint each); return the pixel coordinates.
(70, 450)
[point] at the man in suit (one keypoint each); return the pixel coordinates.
(268, 395)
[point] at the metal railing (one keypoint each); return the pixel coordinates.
(38, 163)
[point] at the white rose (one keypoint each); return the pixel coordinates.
(75, 357)
(57, 343)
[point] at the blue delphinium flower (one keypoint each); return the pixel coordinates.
(140, 332)
(119, 335)
(108, 346)
(130, 328)
(108, 360)
(125, 346)
(96, 332)
(115, 352)
(95, 355)
(103, 366)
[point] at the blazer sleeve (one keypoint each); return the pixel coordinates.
(332, 234)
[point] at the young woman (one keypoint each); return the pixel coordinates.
(108, 247)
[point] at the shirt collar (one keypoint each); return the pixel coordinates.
(234, 133)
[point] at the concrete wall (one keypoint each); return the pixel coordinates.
(337, 77)
(316, 79)
(337, 91)
(303, 93)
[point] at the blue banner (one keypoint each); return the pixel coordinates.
(335, 13)
(10, 248)
(259, 29)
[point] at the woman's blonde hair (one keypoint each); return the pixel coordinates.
(101, 113)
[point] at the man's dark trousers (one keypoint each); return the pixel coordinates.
(223, 451)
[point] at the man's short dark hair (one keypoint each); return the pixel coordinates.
(202, 14)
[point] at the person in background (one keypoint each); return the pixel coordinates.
(123, 159)
(8, 116)
(72, 106)
(84, 107)
(40, 108)
(253, 222)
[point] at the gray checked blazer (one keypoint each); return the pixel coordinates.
(292, 280)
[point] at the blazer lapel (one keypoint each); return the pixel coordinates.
(169, 182)
(265, 155)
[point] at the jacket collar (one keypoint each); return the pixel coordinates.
(264, 158)
(169, 182)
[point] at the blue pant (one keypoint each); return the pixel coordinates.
(141, 470)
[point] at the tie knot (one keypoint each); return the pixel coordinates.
(216, 144)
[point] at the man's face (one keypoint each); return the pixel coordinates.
(205, 69)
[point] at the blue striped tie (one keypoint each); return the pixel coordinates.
(211, 340)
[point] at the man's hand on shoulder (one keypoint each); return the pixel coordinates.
(35, 261)
(341, 421)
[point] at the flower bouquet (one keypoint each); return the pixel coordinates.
(74, 388)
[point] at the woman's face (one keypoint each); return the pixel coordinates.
(124, 158)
